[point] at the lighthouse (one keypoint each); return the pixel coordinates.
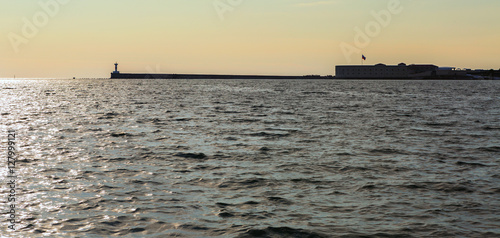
(116, 69)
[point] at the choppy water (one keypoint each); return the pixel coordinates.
(254, 158)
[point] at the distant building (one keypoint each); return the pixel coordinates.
(450, 72)
(421, 68)
(400, 71)
(377, 71)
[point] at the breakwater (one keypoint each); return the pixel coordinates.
(209, 76)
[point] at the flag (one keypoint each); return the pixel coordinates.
(363, 57)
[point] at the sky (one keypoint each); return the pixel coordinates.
(84, 38)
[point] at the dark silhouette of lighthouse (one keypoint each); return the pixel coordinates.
(116, 69)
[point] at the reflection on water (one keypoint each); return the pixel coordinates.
(254, 158)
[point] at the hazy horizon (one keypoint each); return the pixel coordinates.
(64, 39)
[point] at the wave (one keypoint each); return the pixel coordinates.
(281, 232)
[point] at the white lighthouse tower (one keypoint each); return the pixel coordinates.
(116, 69)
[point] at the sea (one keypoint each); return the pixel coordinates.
(250, 158)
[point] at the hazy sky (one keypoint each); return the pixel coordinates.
(83, 38)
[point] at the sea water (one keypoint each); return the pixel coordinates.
(252, 158)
